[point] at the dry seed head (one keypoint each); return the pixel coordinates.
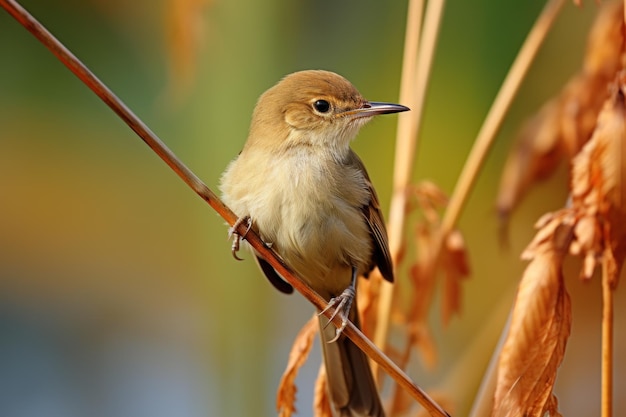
(599, 187)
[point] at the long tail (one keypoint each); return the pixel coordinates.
(351, 385)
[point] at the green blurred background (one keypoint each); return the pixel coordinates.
(118, 294)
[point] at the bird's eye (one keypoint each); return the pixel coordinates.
(321, 106)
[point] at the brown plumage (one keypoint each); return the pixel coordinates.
(308, 194)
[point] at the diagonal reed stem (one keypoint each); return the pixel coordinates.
(496, 114)
(102, 91)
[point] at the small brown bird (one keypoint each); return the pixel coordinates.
(308, 194)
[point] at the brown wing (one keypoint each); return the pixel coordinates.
(374, 217)
(273, 277)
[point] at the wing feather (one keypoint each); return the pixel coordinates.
(381, 257)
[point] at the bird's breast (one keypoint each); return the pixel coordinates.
(310, 209)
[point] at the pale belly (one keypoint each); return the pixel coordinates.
(312, 219)
(319, 235)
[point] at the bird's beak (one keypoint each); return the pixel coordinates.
(373, 108)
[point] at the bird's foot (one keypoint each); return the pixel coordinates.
(232, 234)
(342, 305)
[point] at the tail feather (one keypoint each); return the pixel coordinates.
(351, 385)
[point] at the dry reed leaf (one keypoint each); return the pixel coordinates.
(456, 268)
(321, 403)
(599, 188)
(452, 260)
(565, 123)
(421, 337)
(422, 275)
(422, 271)
(539, 329)
(429, 199)
(556, 227)
(286, 395)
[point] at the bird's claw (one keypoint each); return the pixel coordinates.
(232, 233)
(235, 246)
(342, 304)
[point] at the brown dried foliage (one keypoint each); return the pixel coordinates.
(451, 259)
(565, 123)
(286, 395)
(598, 189)
(591, 227)
(455, 265)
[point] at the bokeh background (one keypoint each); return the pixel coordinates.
(118, 294)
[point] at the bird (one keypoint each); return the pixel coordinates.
(298, 183)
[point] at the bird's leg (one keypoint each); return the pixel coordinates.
(342, 304)
(232, 233)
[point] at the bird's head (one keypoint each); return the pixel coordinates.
(315, 109)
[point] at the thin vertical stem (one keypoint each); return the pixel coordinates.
(607, 343)
(405, 138)
(485, 138)
(606, 403)
(415, 75)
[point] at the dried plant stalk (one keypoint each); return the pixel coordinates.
(438, 244)
(435, 244)
(413, 87)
